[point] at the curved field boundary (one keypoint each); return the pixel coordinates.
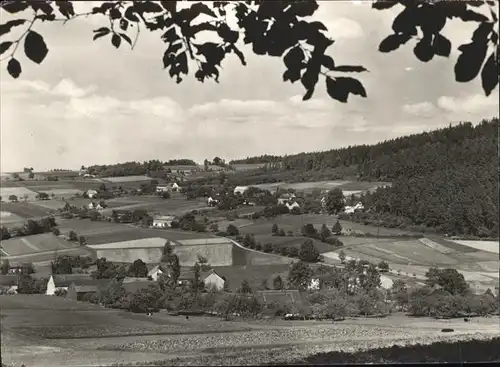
(436, 246)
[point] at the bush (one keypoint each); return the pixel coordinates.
(268, 247)
(258, 247)
(308, 252)
(293, 252)
(284, 251)
(232, 230)
(334, 241)
(281, 233)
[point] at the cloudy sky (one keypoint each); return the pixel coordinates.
(89, 103)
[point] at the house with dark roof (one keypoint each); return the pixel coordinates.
(79, 292)
(212, 280)
(59, 281)
(8, 284)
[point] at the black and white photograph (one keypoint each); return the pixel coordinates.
(269, 182)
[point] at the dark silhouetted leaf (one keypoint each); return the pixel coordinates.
(5, 28)
(201, 8)
(15, 7)
(489, 75)
(14, 68)
(115, 14)
(328, 62)
(101, 32)
(340, 88)
(405, 22)
(308, 94)
(311, 75)
(124, 24)
(318, 25)
(238, 53)
(423, 49)
(42, 6)
(151, 7)
(303, 8)
(35, 47)
(103, 8)
(169, 6)
(393, 42)
(126, 38)
(227, 34)
(4, 46)
(130, 14)
(349, 69)
(65, 8)
(470, 61)
(294, 59)
(116, 40)
(482, 32)
(441, 45)
(383, 4)
(472, 16)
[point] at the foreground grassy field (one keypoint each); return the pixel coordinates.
(50, 331)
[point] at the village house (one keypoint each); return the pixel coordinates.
(292, 205)
(92, 193)
(156, 272)
(95, 206)
(162, 188)
(352, 209)
(174, 187)
(62, 282)
(212, 202)
(286, 198)
(163, 221)
(213, 280)
(80, 292)
(240, 189)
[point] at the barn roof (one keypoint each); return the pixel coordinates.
(65, 280)
(254, 274)
(154, 242)
(136, 285)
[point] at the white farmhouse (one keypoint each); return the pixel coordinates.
(240, 190)
(163, 221)
(162, 188)
(156, 272)
(352, 209)
(213, 280)
(293, 205)
(92, 193)
(175, 187)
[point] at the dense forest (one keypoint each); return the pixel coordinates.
(445, 179)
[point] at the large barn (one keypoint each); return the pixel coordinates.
(149, 250)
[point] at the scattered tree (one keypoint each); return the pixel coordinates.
(278, 283)
(383, 266)
(337, 228)
(245, 287)
(275, 229)
(300, 275)
(325, 232)
(73, 236)
(342, 256)
(13, 198)
(5, 267)
(334, 201)
(308, 252)
(138, 269)
(232, 230)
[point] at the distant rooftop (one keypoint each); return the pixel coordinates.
(204, 241)
(154, 242)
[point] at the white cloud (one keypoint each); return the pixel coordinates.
(422, 108)
(343, 28)
(472, 104)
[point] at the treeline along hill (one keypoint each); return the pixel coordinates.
(446, 179)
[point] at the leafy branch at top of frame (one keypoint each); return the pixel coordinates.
(424, 21)
(271, 28)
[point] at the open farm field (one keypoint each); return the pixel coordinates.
(18, 191)
(25, 210)
(45, 257)
(347, 186)
(247, 167)
(8, 217)
(56, 331)
(489, 246)
(99, 232)
(37, 243)
(52, 204)
(126, 179)
(295, 241)
(157, 205)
